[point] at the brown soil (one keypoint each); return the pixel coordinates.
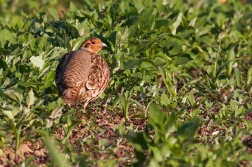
(104, 121)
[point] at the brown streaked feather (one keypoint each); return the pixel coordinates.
(82, 76)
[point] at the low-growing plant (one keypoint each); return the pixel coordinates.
(179, 91)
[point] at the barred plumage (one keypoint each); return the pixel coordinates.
(82, 75)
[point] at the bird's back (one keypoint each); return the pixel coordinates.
(81, 76)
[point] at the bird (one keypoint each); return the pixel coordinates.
(82, 75)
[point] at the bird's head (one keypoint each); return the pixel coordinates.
(93, 45)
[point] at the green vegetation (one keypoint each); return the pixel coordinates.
(179, 94)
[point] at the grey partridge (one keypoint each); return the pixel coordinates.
(82, 75)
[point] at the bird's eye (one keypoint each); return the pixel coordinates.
(93, 42)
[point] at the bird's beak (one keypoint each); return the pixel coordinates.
(103, 45)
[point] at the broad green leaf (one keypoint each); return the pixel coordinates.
(103, 142)
(147, 66)
(72, 7)
(113, 39)
(146, 13)
(176, 23)
(138, 5)
(16, 22)
(193, 21)
(142, 47)
(191, 99)
(206, 40)
(57, 53)
(37, 61)
(157, 116)
(182, 59)
(15, 95)
(56, 113)
(159, 61)
(9, 114)
(49, 79)
(163, 24)
(130, 64)
(54, 13)
(188, 129)
(77, 43)
(164, 99)
(139, 140)
(29, 160)
(43, 42)
(173, 47)
(123, 6)
(6, 35)
(5, 126)
(158, 156)
(30, 98)
(3, 21)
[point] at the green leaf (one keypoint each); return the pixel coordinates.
(29, 160)
(6, 35)
(139, 141)
(176, 23)
(28, 84)
(156, 115)
(191, 99)
(37, 61)
(139, 5)
(56, 113)
(43, 42)
(146, 13)
(3, 21)
(188, 129)
(30, 98)
(123, 6)
(9, 114)
(230, 60)
(131, 64)
(182, 59)
(69, 129)
(103, 142)
(173, 47)
(5, 126)
(54, 13)
(49, 79)
(14, 95)
(193, 21)
(164, 99)
(147, 66)
(238, 77)
(249, 75)
(125, 105)
(143, 46)
(77, 43)
(72, 7)
(54, 152)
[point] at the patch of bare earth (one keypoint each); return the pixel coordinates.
(26, 149)
(97, 125)
(104, 126)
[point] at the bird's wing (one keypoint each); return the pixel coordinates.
(98, 76)
(62, 67)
